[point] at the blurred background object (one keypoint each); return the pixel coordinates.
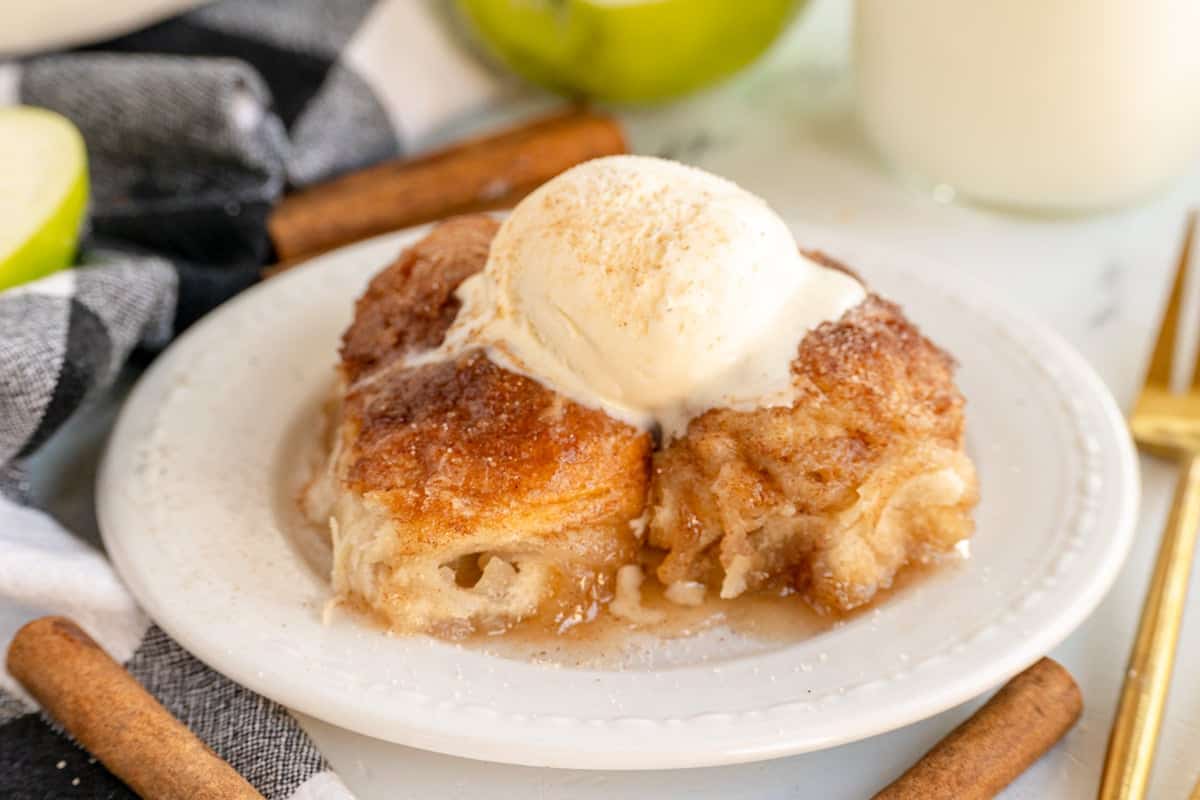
(1046, 105)
(29, 27)
(627, 51)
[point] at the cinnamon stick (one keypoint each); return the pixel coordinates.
(481, 174)
(998, 742)
(110, 714)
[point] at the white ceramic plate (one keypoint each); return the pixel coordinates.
(195, 520)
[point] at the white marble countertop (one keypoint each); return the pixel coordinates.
(785, 131)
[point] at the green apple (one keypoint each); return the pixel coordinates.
(43, 193)
(627, 50)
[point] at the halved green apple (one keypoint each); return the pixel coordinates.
(627, 50)
(43, 193)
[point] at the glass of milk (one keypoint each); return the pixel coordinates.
(1046, 105)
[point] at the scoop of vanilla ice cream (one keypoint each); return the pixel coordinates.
(650, 289)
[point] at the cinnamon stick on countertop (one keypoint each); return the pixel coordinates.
(477, 175)
(111, 715)
(998, 742)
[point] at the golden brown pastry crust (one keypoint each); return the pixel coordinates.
(464, 457)
(453, 445)
(410, 304)
(876, 406)
(441, 462)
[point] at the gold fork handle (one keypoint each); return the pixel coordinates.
(1139, 716)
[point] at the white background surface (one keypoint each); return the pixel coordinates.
(785, 130)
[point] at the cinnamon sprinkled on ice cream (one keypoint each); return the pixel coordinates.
(649, 289)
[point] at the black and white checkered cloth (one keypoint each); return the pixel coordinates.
(194, 128)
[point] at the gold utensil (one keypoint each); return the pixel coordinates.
(1166, 423)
